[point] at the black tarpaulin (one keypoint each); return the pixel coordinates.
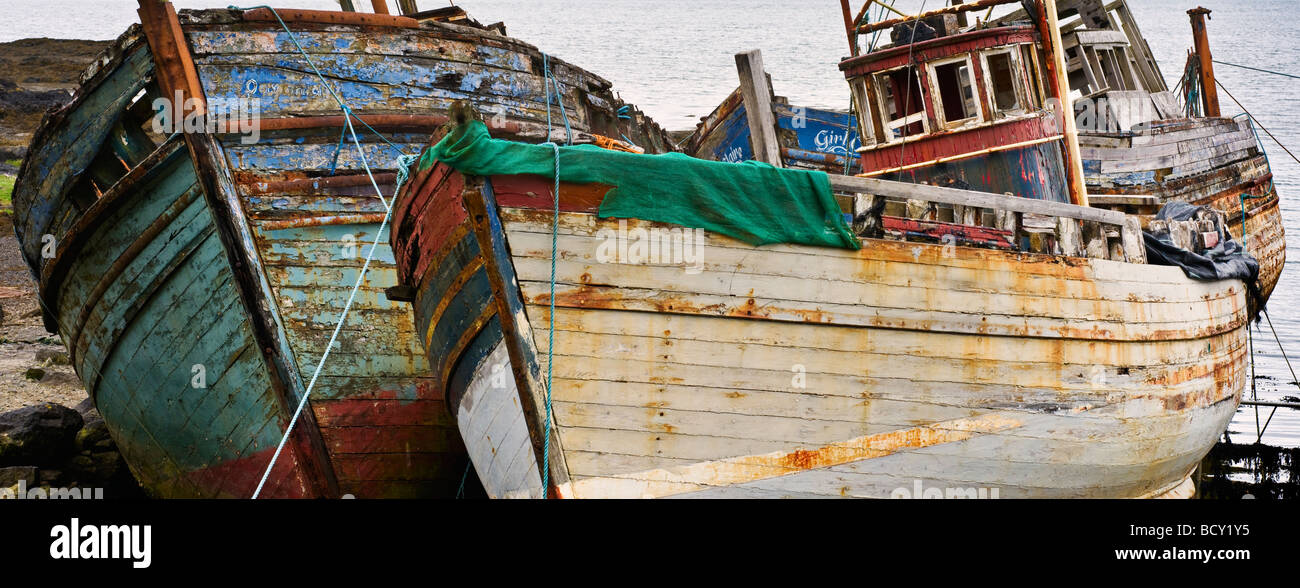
(1226, 260)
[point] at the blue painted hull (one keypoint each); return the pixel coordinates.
(197, 278)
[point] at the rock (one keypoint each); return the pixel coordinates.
(34, 374)
(10, 476)
(85, 408)
(94, 436)
(41, 434)
(51, 357)
(51, 476)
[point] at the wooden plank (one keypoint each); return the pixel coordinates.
(333, 17)
(902, 190)
(1124, 200)
(758, 107)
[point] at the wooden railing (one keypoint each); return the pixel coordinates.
(1076, 231)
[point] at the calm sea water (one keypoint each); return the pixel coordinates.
(674, 59)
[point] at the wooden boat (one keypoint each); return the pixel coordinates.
(196, 277)
(810, 138)
(902, 368)
(980, 117)
(1019, 347)
(1148, 146)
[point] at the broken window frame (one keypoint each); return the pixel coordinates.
(940, 112)
(882, 84)
(866, 112)
(1018, 82)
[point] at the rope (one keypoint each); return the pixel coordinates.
(555, 238)
(910, 76)
(404, 161)
(460, 492)
(1276, 73)
(1261, 125)
(1294, 379)
(623, 115)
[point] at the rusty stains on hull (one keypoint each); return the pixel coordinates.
(750, 468)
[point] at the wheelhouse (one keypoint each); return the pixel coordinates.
(960, 106)
(952, 83)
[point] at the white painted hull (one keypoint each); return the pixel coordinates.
(789, 371)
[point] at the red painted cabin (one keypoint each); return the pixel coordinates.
(968, 110)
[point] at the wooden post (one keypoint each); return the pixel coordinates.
(1068, 237)
(849, 27)
(1209, 91)
(1051, 28)
(757, 95)
(407, 7)
(1094, 239)
(347, 6)
(962, 21)
(381, 6)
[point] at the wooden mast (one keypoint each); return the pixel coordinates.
(1209, 91)
(1051, 31)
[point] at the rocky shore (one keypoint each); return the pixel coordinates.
(46, 448)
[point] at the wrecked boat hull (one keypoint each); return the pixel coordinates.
(810, 138)
(196, 278)
(1215, 162)
(792, 371)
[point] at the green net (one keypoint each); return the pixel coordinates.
(753, 202)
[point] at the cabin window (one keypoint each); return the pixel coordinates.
(1003, 72)
(902, 108)
(954, 82)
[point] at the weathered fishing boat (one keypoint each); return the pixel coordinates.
(1143, 146)
(810, 138)
(956, 104)
(689, 363)
(196, 271)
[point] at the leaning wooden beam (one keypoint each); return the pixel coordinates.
(171, 54)
(757, 95)
(957, 9)
(878, 187)
(380, 6)
(1073, 157)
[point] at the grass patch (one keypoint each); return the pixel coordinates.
(15, 162)
(6, 192)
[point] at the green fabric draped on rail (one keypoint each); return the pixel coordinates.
(753, 202)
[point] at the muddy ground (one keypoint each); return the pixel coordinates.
(35, 75)
(33, 363)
